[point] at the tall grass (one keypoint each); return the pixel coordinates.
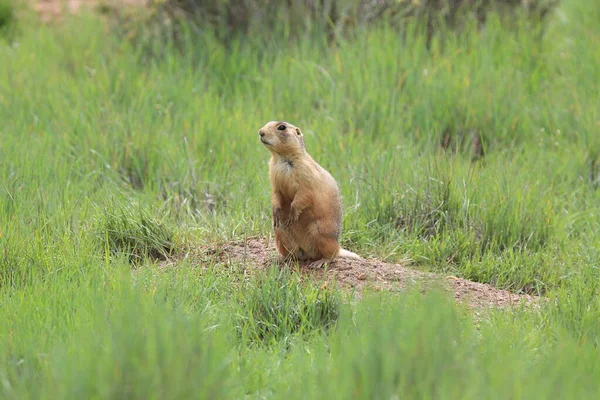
(171, 334)
(110, 158)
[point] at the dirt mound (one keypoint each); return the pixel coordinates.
(255, 254)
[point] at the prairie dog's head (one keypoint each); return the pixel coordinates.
(282, 138)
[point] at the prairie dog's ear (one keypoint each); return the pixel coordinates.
(298, 132)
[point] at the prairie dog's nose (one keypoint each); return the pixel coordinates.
(261, 132)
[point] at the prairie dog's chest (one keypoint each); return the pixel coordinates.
(283, 168)
(284, 178)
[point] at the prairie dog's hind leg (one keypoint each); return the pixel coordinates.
(287, 248)
(327, 248)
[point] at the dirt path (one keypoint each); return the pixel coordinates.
(257, 254)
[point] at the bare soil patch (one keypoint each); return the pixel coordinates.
(259, 253)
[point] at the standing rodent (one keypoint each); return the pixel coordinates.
(307, 208)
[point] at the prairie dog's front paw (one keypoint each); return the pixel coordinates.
(293, 217)
(277, 214)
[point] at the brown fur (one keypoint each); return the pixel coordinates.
(307, 215)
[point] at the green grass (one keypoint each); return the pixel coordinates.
(109, 160)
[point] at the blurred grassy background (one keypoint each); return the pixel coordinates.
(468, 147)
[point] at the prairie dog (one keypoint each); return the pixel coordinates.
(306, 202)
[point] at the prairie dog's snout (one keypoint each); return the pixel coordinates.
(261, 135)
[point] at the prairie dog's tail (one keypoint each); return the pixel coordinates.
(347, 254)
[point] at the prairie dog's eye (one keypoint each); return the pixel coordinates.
(281, 128)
